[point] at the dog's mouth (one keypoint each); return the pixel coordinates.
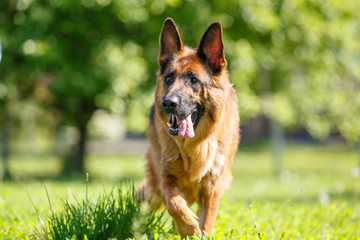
(183, 126)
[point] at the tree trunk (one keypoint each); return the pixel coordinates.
(80, 152)
(5, 151)
(74, 163)
(277, 146)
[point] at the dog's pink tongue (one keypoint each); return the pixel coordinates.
(186, 129)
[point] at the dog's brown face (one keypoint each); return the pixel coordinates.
(185, 76)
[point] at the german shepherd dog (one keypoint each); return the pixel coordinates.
(193, 129)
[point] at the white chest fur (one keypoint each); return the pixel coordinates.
(218, 165)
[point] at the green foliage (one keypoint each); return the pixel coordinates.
(301, 66)
(294, 61)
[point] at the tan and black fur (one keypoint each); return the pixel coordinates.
(182, 171)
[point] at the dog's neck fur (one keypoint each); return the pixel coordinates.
(199, 158)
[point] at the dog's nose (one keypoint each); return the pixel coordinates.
(169, 104)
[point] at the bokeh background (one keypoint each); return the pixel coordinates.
(77, 80)
(78, 77)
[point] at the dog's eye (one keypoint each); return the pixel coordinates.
(194, 80)
(168, 78)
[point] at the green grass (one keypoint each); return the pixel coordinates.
(316, 196)
(119, 215)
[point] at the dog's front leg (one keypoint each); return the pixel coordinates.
(208, 207)
(185, 220)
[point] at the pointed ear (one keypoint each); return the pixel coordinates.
(211, 48)
(170, 42)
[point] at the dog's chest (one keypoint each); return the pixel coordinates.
(207, 163)
(193, 189)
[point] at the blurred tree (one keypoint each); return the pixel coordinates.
(17, 77)
(297, 63)
(90, 62)
(4, 135)
(5, 147)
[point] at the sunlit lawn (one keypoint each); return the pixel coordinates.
(317, 192)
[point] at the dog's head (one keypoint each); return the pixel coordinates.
(188, 78)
